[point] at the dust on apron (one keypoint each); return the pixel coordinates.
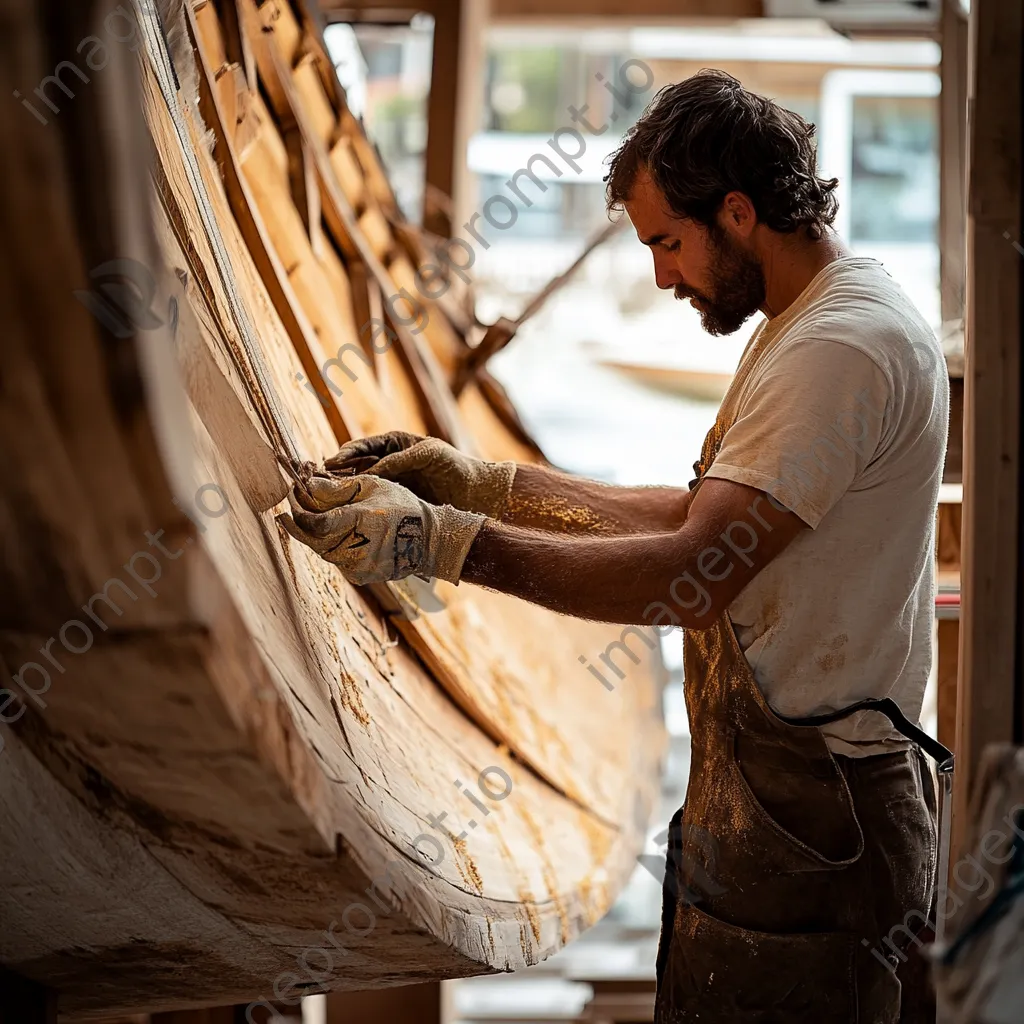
(787, 866)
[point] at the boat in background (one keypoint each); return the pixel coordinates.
(702, 385)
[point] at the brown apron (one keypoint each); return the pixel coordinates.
(788, 866)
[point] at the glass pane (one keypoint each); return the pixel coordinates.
(894, 191)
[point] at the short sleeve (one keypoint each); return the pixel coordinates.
(808, 428)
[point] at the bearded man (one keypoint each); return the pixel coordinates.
(799, 562)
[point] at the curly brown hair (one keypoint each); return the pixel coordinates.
(707, 136)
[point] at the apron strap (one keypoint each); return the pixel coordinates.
(888, 707)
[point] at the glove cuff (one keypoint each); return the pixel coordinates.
(493, 487)
(452, 533)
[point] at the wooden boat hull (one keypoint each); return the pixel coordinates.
(225, 773)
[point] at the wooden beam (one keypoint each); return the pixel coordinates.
(453, 109)
(953, 160)
(991, 624)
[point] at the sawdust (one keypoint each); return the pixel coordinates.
(352, 698)
(835, 657)
(832, 661)
(557, 513)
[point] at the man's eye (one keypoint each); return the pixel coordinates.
(673, 247)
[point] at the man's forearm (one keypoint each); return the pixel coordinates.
(690, 574)
(544, 499)
(608, 579)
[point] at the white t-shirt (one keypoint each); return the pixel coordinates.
(839, 409)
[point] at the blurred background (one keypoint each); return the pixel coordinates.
(614, 378)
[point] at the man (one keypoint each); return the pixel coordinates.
(799, 564)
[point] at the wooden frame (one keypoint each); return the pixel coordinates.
(990, 705)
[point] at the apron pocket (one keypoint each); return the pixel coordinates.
(719, 973)
(814, 816)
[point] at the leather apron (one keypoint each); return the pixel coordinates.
(773, 910)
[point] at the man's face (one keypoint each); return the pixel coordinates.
(721, 277)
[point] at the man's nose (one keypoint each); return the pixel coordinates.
(665, 274)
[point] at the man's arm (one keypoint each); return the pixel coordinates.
(731, 532)
(534, 497)
(544, 499)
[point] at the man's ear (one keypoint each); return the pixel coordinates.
(738, 215)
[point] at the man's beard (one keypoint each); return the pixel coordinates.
(737, 286)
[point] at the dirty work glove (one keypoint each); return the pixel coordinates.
(431, 468)
(376, 530)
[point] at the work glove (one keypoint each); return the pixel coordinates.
(375, 530)
(431, 468)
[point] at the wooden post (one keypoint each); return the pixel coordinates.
(990, 628)
(948, 653)
(953, 160)
(453, 108)
(24, 1002)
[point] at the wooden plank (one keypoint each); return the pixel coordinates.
(992, 579)
(237, 47)
(350, 176)
(317, 106)
(209, 29)
(377, 232)
(280, 20)
(304, 187)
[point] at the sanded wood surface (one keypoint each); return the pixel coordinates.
(238, 759)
